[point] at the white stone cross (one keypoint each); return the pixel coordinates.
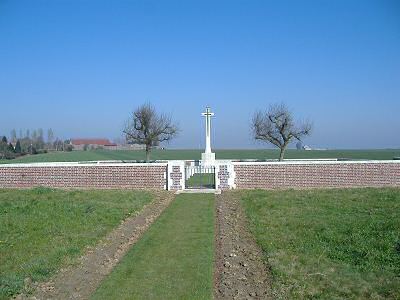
(208, 156)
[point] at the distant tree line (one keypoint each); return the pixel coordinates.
(31, 142)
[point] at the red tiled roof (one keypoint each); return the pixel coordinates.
(101, 142)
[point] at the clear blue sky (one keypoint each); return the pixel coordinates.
(79, 67)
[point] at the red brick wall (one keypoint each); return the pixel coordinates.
(247, 175)
(316, 175)
(130, 176)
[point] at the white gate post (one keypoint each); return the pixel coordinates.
(176, 175)
(224, 175)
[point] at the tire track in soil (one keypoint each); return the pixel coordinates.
(81, 280)
(240, 272)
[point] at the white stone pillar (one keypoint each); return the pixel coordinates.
(208, 157)
(176, 175)
(224, 175)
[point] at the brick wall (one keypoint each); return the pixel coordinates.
(104, 176)
(317, 174)
(241, 175)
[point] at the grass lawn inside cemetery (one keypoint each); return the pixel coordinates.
(204, 180)
(331, 244)
(42, 229)
(173, 260)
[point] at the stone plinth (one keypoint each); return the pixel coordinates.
(207, 159)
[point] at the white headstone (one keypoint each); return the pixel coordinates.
(208, 157)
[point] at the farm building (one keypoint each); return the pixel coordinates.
(89, 144)
(86, 144)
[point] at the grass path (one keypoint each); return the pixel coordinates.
(173, 260)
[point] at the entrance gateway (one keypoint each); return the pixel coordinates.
(208, 174)
(201, 175)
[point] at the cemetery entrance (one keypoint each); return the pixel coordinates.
(200, 177)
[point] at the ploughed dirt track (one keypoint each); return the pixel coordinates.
(239, 272)
(81, 280)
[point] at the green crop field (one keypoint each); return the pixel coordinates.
(43, 229)
(329, 244)
(159, 154)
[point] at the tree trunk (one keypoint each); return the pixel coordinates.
(282, 153)
(148, 149)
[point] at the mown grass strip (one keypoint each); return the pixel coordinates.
(329, 244)
(173, 260)
(43, 229)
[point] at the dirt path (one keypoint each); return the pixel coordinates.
(240, 272)
(80, 281)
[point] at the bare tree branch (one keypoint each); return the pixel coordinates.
(147, 127)
(277, 127)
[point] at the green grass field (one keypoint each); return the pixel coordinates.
(329, 244)
(196, 154)
(173, 260)
(43, 229)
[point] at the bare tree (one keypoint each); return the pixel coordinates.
(13, 136)
(276, 126)
(147, 127)
(50, 138)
